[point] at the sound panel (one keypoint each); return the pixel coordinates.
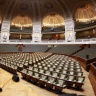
(15, 78)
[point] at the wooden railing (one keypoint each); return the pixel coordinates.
(85, 63)
(92, 76)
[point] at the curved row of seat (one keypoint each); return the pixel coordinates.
(48, 79)
(13, 61)
(46, 69)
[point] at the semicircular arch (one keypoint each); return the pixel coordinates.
(53, 19)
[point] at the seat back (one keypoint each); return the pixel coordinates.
(64, 72)
(71, 73)
(54, 74)
(30, 73)
(60, 82)
(41, 71)
(80, 79)
(62, 76)
(47, 72)
(36, 74)
(35, 69)
(30, 68)
(79, 73)
(44, 77)
(71, 78)
(51, 79)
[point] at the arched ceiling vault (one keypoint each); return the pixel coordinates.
(64, 7)
(80, 3)
(53, 20)
(85, 13)
(50, 6)
(23, 7)
(21, 21)
(66, 10)
(3, 7)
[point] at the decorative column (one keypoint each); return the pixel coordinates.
(36, 35)
(5, 31)
(5, 28)
(69, 30)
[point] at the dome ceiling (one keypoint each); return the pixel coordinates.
(53, 20)
(85, 13)
(49, 6)
(21, 21)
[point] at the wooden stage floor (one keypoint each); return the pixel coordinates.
(24, 88)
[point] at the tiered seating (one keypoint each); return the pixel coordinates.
(35, 48)
(45, 69)
(57, 29)
(65, 49)
(17, 61)
(55, 73)
(82, 25)
(8, 48)
(7, 62)
(26, 48)
(87, 51)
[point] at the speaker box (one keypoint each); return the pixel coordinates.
(87, 56)
(0, 89)
(15, 78)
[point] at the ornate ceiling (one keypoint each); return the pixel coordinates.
(65, 8)
(21, 21)
(53, 20)
(85, 13)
